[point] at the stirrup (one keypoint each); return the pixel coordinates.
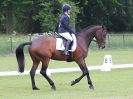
(66, 53)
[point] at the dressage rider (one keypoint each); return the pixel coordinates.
(65, 29)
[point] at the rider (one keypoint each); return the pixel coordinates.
(64, 26)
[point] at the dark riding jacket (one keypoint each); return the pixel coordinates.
(64, 25)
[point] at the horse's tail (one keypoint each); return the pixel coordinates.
(20, 56)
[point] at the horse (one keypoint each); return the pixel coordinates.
(43, 49)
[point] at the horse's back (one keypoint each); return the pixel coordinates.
(43, 45)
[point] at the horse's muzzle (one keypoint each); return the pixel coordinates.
(102, 46)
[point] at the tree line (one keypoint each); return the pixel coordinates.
(32, 16)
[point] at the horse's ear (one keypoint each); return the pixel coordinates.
(103, 26)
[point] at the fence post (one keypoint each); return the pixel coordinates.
(29, 37)
(11, 44)
(108, 42)
(123, 40)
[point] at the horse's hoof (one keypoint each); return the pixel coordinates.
(35, 88)
(73, 83)
(91, 87)
(53, 88)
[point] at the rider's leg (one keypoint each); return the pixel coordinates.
(69, 39)
(67, 47)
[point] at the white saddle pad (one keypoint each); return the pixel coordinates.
(60, 45)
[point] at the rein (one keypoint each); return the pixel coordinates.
(94, 40)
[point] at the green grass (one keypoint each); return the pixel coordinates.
(9, 63)
(117, 84)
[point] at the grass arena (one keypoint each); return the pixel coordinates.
(115, 84)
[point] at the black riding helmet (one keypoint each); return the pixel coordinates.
(66, 7)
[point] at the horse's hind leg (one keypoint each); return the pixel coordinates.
(32, 74)
(43, 72)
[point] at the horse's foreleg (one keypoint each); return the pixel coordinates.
(81, 64)
(89, 81)
(85, 71)
(77, 80)
(43, 72)
(32, 74)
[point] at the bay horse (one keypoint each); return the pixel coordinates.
(43, 49)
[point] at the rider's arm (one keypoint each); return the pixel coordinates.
(66, 24)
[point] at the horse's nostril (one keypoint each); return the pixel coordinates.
(103, 47)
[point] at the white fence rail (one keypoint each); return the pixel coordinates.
(62, 70)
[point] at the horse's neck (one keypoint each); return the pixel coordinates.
(85, 39)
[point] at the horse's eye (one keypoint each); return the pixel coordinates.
(104, 36)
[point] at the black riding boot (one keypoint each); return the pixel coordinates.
(67, 47)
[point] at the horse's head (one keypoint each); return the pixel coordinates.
(100, 36)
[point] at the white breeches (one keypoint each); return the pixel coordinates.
(67, 36)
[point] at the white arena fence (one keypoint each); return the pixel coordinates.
(65, 70)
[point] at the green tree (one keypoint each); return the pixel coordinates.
(117, 15)
(10, 13)
(7, 14)
(32, 16)
(50, 12)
